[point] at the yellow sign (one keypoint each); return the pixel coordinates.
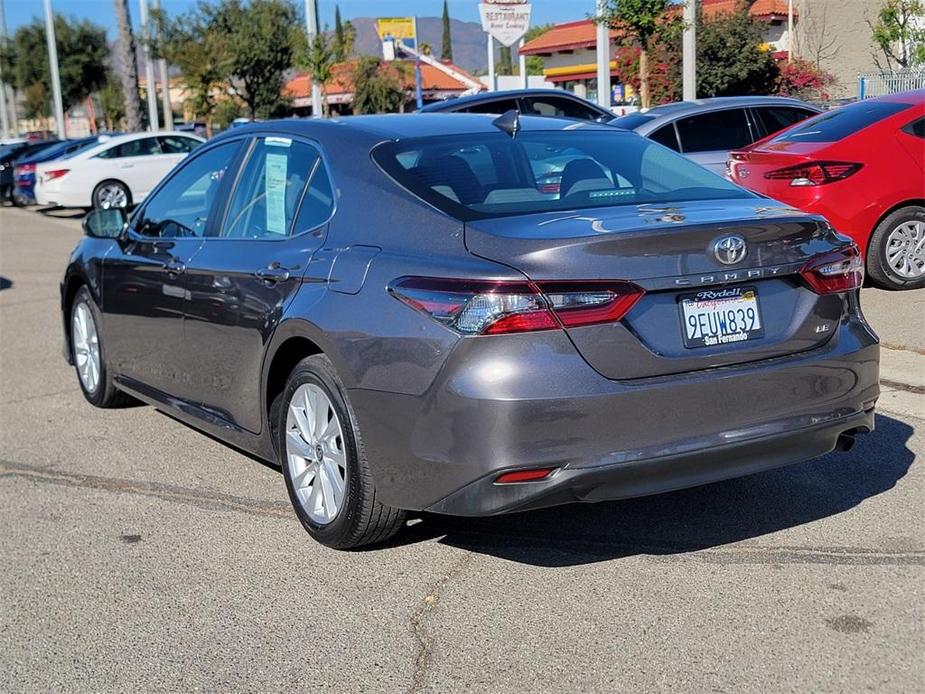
(397, 28)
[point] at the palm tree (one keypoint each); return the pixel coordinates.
(129, 71)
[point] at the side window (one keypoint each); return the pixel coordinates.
(666, 136)
(317, 201)
(916, 128)
(181, 208)
(494, 107)
(776, 118)
(141, 147)
(717, 130)
(271, 189)
(562, 108)
(174, 144)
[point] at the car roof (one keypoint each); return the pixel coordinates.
(395, 126)
(484, 97)
(915, 96)
(115, 140)
(58, 145)
(677, 109)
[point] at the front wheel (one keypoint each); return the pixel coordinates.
(324, 463)
(89, 356)
(896, 259)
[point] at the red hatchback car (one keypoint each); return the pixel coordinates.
(862, 166)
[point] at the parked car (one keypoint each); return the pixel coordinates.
(533, 102)
(197, 128)
(119, 172)
(24, 170)
(389, 308)
(862, 166)
(706, 129)
(9, 154)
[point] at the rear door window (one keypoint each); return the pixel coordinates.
(174, 144)
(776, 118)
(496, 107)
(559, 107)
(714, 131)
(916, 128)
(142, 147)
(666, 136)
(842, 122)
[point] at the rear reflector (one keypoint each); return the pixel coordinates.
(817, 173)
(534, 475)
(835, 272)
(479, 307)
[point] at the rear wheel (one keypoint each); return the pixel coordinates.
(896, 259)
(111, 194)
(324, 463)
(89, 356)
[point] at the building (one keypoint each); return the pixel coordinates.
(436, 85)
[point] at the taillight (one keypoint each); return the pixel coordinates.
(477, 307)
(52, 175)
(817, 173)
(838, 271)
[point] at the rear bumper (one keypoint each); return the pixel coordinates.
(526, 401)
(52, 195)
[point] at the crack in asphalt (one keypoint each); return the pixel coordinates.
(419, 628)
(918, 390)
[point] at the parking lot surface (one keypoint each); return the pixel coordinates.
(140, 555)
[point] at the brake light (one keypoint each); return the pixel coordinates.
(835, 272)
(56, 173)
(817, 173)
(477, 307)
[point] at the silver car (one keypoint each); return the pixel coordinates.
(706, 130)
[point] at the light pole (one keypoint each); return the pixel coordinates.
(311, 20)
(789, 31)
(524, 79)
(689, 52)
(603, 57)
(492, 77)
(53, 67)
(151, 91)
(165, 83)
(4, 112)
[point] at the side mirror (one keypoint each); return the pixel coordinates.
(105, 224)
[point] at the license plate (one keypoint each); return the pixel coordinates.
(720, 317)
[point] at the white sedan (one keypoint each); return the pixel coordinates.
(118, 172)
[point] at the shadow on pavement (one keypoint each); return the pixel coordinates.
(688, 520)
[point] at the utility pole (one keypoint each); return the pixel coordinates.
(165, 80)
(4, 111)
(151, 91)
(524, 79)
(689, 52)
(311, 20)
(603, 57)
(492, 77)
(789, 31)
(53, 67)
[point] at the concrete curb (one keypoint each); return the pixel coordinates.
(902, 382)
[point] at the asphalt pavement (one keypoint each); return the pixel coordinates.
(139, 555)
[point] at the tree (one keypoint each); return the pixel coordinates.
(35, 102)
(82, 54)
(194, 44)
(732, 58)
(446, 51)
(639, 23)
(815, 42)
(261, 36)
(322, 56)
(899, 34)
(344, 37)
(505, 66)
(112, 103)
(535, 64)
(128, 68)
(803, 79)
(376, 90)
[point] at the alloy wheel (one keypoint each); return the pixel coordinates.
(905, 250)
(111, 196)
(315, 453)
(86, 347)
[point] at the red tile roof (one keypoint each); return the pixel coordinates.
(759, 8)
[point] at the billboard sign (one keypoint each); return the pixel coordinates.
(398, 28)
(505, 20)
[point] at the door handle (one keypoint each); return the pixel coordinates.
(175, 266)
(272, 274)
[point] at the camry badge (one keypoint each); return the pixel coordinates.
(729, 250)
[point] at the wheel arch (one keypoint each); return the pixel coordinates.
(71, 285)
(920, 202)
(128, 190)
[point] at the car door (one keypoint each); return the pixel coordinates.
(248, 271)
(495, 107)
(559, 107)
(707, 137)
(144, 286)
(138, 163)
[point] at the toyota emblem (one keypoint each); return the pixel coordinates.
(729, 250)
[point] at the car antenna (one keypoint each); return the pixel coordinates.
(509, 122)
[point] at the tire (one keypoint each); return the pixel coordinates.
(110, 194)
(896, 255)
(83, 323)
(309, 463)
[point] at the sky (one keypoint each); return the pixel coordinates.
(19, 12)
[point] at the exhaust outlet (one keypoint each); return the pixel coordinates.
(845, 443)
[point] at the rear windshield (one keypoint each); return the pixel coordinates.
(840, 123)
(493, 175)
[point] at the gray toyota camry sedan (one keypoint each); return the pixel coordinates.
(405, 314)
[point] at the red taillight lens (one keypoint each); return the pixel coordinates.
(52, 175)
(817, 173)
(534, 475)
(475, 307)
(838, 271)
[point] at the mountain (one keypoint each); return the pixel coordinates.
(470, 43)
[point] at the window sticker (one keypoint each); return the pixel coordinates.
(275, 191)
